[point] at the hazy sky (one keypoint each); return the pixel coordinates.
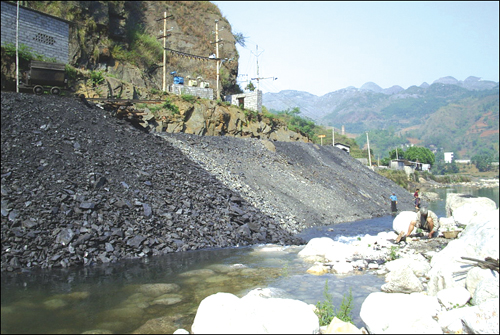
(320, 47)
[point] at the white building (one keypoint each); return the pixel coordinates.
(448, 157)
(250, 100)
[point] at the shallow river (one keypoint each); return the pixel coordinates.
(118, 297)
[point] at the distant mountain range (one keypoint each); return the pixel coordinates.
(409, 111)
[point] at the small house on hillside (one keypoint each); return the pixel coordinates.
(408, 166)
(249, 100)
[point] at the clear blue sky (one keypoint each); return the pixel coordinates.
(320, 47)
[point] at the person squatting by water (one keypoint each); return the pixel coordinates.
(394, 202)
(426, 220)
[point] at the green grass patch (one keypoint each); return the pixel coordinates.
(326, 311)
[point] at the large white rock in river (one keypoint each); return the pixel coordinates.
(225, 313)
(464, 207)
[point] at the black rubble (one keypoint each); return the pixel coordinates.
(80, 187)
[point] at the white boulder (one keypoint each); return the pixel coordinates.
(225, 313)
(475, 204)
(479, 240)
(381, 312)
(402, 280)
(482, 319)
(402, 221)
(485, 290)
(453, 297)
(317, 247)
(476, 275)
(417, 263)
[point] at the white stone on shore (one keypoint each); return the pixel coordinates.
(390, 311)
(417, 263)
(476, 275)
(402, 280)
(485, 290)
(479, 240)
(482, 319)
(453, 297)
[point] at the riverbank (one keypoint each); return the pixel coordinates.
(426, 289)
(477, 182)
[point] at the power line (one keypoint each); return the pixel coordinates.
(191, 56)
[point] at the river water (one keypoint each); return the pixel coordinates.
(120, 298)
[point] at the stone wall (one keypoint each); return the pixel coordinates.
(205, 93)
(45, 34)
(251, 101)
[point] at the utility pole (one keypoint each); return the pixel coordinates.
(369, 156)
(17, 48)
(164, 86)
(164, 51)
(217, 56)
(333, 136)
(258, 78)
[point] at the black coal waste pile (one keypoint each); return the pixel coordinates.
(79, 186)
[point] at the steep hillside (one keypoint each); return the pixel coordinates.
(121, 39)
(467, 126)
(80, 186)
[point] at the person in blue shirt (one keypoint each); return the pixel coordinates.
(394, 202)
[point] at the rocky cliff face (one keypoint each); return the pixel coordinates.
(121, 38)
(203, 117)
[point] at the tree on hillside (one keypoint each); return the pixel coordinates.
(482, 162)
(240, 39)
(420, 154)
(400, 153)
(250, 87)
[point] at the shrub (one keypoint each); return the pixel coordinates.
(25, 52)
(326, 311)
(96, 77)
(188, 98)
(171, 106)
(70, 72)
(393, 254)
(398, 176)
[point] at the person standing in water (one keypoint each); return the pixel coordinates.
(394, 202)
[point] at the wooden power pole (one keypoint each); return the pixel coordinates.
(369, 156)
(164, 87)
(217, 56)
(165, 17)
